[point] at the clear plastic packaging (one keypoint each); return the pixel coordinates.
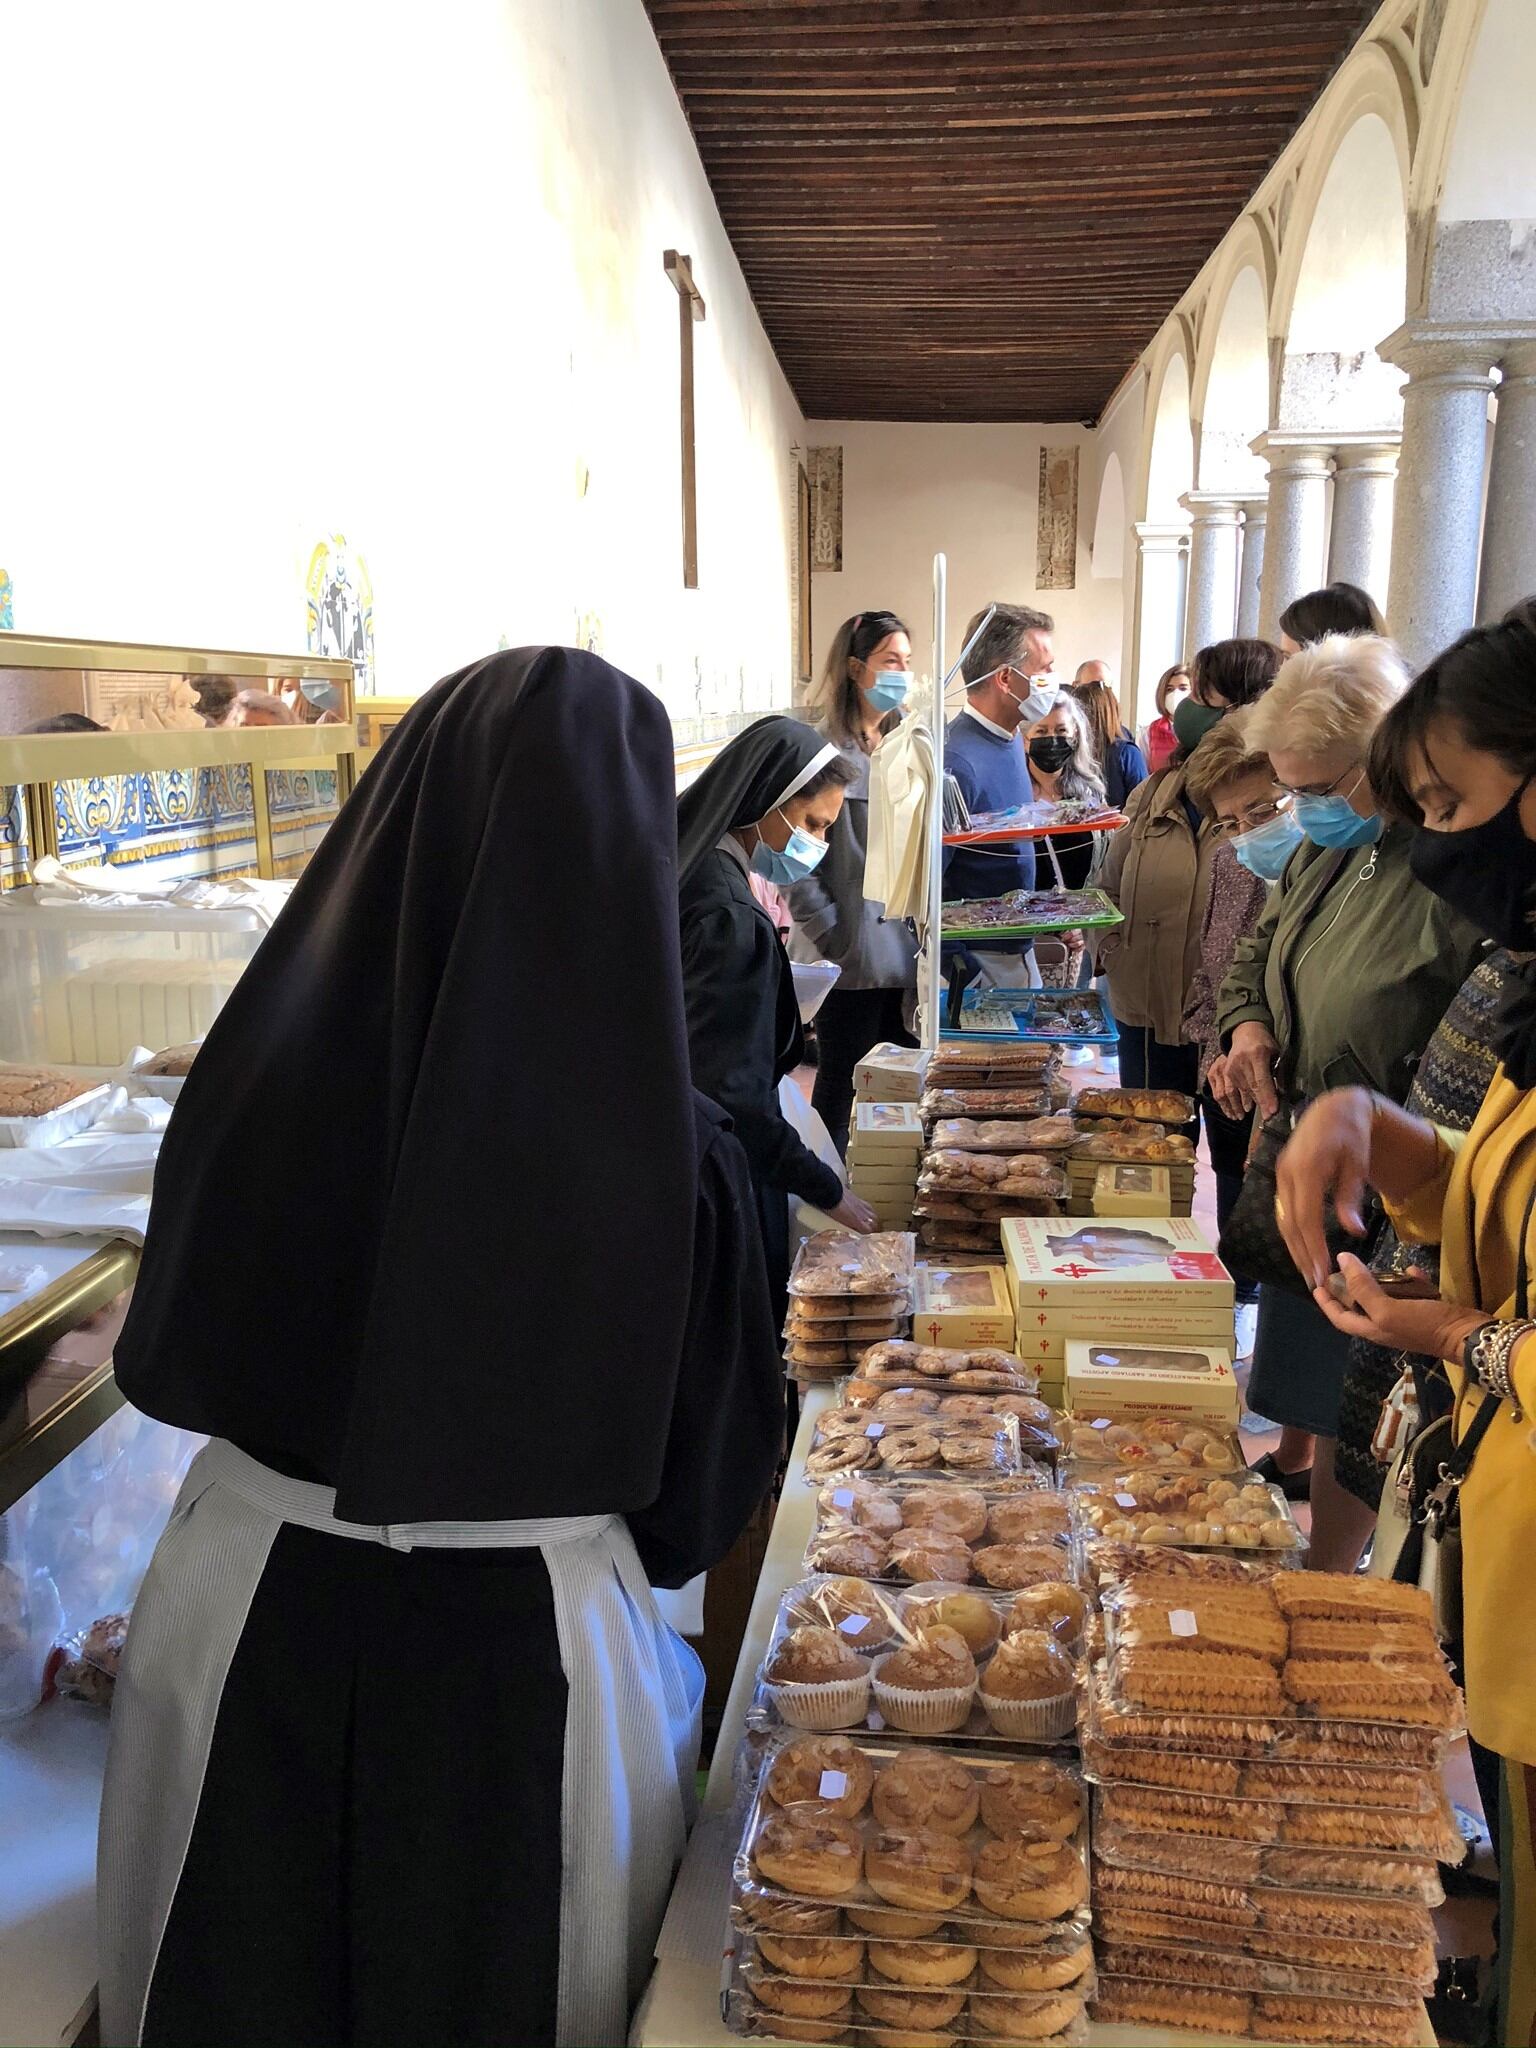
(969, 1371)
(1358, 1806)
(837, 1263)
(1291, 1868)
(875, 1623)
(947, 1530)
(1186, 1512)
(841, 1309)
(86, 1666)
(853, 1440)
(863, 1331)
(1143, 1105)
(1234, 2015)
(77, 1546)
(974, 1210)
(1043, 1134)
(850, 2023)
(911, 1399)
(1021, 1103)
(1029, 910)
(1106, 1564)
(950, 1863)
(1130, 1141)
(994, 1173)
(1167, 1963)
(958, 1065)
(1170, 1443)
(1266, 1910)
(1289, 1736)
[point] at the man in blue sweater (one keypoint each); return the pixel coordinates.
(1009, 687)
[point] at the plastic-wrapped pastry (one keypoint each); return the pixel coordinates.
(842, 1262)
(1143, 1105)
(1041, 1134)
(1144, 1143)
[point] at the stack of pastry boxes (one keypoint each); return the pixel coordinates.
(1132, 1122)
(1268, 1812)
(1146, 1282)
(884, 1146)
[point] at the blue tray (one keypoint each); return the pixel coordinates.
(1031, 1013)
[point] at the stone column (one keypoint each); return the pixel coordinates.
(1251, 568)
(1210, 609)
(1432, 595)
(1360, 540)
(1295, 542)
(1509, 528)
(1160, 568)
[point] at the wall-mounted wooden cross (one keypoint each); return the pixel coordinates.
(690, 308)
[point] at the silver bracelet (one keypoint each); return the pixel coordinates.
(1490, 1356)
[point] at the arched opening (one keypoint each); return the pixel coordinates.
(1108, 554)
(1171, 468)
(1236, 409)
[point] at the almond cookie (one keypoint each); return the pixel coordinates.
(1025, 1877)
(1028, 1970)
(886, 1926)
(919, 1869)
(1200, 1857)
(862, 1503)
(1039, 1799)
(828, 1957)
(925, 2009)
(1024, 2019)
(787, 1916)
(819, 1855)
(800, 1998)
(1011, 1566)
(926, 1790)
(858, 1553)
(956, 1512)
(924, 1554)
(825, 1771)
(922, 1963)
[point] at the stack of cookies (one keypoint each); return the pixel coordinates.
(889, 1895)
(885, 1143)
(979, 1169)
(1269, 1812)
(846, 1293)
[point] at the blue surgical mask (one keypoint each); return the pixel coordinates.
(802, 856)
(890, 689)
(1265, 850)
(1332, 820)
(323, 695)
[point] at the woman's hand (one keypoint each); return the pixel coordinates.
(1329, 1153)
(1251, 1070)
(855, 1215)
(1223, 1094)
(1427, 1328)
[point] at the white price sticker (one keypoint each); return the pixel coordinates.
(1125, 1500)
(1181, 1622)
(834, 1784)
(1103, 1422)
(854, 1625)
(875, 1429)
(843, 1497)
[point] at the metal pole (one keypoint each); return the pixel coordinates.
(933, 972)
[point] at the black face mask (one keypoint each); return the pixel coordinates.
(1487, 872)
(1050, 753)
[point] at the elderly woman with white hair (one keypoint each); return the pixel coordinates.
(1343, 982)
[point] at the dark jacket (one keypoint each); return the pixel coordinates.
(1351, 968)
(744, 1036)
(1125, 766)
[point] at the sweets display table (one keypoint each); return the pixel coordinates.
(681, 2004)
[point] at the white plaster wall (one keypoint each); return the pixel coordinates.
(391, 271)
(972, 491)
(1354, 274)
(1490, 174)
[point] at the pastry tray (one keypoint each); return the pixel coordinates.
(838, 1263)
(1036, 821)
(751, 2022)
(1286, 1867)
(1027, 911)
(1119, 1508)
(975, 1448)
(1038, 1015)
(1156, 1442)
(1361, 1790)
(1392, 2025)
(749, 1885)
(838, 1519)
(816, 1602)
(1265, 1738)
(751, 1963)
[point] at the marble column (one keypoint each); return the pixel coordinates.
(1160, 572)
(1295, 542)
(1360, 539)
(1509, 527)
(1432, 595)
(1210, 609)
(1251, 567)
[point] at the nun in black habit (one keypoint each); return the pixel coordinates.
(401, 1750)
(763, 806)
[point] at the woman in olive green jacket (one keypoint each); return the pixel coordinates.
(1344, 981)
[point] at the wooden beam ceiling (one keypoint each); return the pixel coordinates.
(984, 209)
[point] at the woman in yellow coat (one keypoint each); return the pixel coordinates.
(1456, 757)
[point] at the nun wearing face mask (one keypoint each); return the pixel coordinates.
(764, 807)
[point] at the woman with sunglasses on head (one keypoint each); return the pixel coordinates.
(764, 806)
(1345, 978)
(1455, 765)
(862, 696)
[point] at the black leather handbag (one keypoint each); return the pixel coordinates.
(1251, 1244)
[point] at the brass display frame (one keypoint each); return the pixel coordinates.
(28, 1333)
(34, 762)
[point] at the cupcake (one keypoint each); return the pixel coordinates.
(1054, 1606)
(816, 1681)
(927, 1688)
(851, 1606)
(970, 1615)
(1031, 1688)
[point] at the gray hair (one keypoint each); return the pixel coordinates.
(1001, 645)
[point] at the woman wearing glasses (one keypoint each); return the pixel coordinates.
(1346, 976)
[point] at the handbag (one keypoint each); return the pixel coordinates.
(1251, 1243)
(1437, 1469)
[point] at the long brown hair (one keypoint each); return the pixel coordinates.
(1100, 705)
(837, 700)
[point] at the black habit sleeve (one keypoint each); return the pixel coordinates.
(732, 961)
(728, 1412)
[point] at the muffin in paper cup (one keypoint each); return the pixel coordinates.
(1046, 1720)
(831, 1704)
(936, 1710)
